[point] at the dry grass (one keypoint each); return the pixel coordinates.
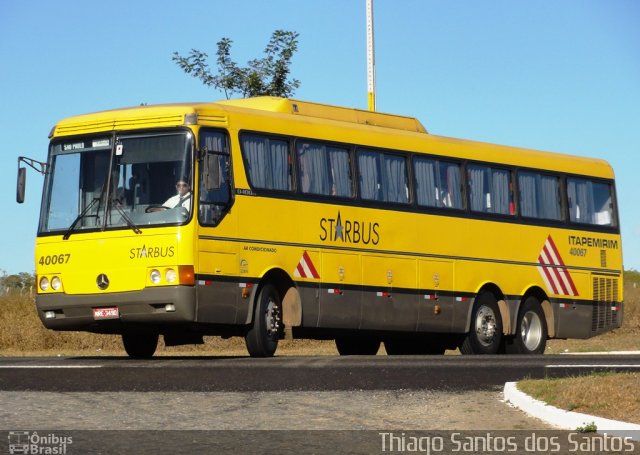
(609, 395)
(22, 333)
(626, 338)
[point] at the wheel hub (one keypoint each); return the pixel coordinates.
(272, 319)
(531, 330)
(486, 325)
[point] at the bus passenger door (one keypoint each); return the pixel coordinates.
(218, 291)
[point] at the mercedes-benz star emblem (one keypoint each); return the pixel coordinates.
(102, 281)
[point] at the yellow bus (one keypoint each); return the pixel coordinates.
(269, 218)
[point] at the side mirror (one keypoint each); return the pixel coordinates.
(39, 166)
(22, 181)
(212, 164)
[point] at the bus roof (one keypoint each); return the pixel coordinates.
(386, 130)
(168, 114)
(327, 112)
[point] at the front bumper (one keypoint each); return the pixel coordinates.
(145, 307)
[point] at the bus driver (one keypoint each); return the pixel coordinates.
(183, 198)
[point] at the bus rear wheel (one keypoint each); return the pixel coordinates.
(262, 338)
(357, 345)
(531, 331)
(485, 334)
(140, 345)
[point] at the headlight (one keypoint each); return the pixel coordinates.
(155, 276)
(44, 283)
(56, 284)
(171, 276)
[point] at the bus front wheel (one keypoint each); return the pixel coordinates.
(531, 331)
(485, 334)
(262, 338)
(140, 345)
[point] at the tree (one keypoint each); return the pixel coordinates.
(21, 281)
(268, 75)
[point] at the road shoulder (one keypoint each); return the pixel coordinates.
(566, 420)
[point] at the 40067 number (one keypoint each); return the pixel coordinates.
(55, 259)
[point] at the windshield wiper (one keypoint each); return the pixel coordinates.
(79, 217)
(126, 217)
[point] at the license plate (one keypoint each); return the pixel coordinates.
(106, 313)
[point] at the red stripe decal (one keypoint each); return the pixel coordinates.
(563, 285)
(550, 280)
(307, 259)
(555, 250)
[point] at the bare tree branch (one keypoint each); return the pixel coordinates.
(268, 75)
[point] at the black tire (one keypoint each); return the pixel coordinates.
(267, 328)
(357, 345)
(531, 330)
(410, 346)
(140, 345)
(485, 333)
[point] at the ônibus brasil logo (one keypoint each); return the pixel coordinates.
(26, 442)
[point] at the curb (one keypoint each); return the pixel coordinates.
(601, 353)
(566, 420)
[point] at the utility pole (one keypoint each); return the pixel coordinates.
(371, 62)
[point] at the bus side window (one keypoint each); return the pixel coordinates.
(395, 179)
(428, 192)
(437, 183)
(215, 181)
(268, 162)
(590, 202)
(539, 196)
(313, 169)
(369, 169)
(340, 166)
(490, 190)
(323, 169)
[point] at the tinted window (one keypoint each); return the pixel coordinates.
(215, 178)
(490, 190)
(539, 196)
(383, 177)
(590, 202)
(324, 169)
(268, 163)
(437, 183)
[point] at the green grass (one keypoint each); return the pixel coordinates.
(609, 395)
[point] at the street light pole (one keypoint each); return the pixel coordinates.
(371, 62)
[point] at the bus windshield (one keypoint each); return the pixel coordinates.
(118, 181)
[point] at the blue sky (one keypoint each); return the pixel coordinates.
(559, 76)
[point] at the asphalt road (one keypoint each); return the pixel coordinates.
(243, 374)
(282, 405)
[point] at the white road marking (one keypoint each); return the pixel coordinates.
(50, 366)
(592, 366)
